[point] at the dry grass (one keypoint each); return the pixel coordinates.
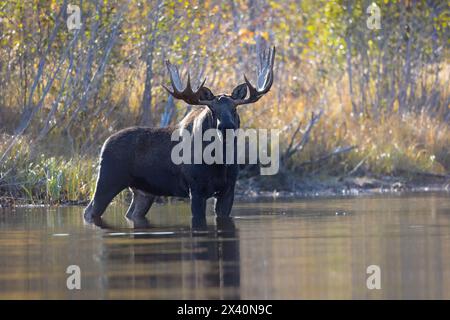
(393, 144)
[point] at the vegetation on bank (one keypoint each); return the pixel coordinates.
(349, 100)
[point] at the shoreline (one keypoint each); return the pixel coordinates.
(251, 190)
(354, 192)
(350, 186)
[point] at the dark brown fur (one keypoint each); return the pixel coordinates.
(140, 158)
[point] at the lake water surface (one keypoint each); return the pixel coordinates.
(301, 249)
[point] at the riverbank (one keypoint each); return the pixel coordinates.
(289, 188)
(347, 186)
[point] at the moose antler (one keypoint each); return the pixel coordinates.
(265, 78)
(202, 96)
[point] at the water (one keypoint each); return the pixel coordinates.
(302, 249)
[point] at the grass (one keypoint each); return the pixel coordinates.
(390, 144)
(394, 145)
(47, 179)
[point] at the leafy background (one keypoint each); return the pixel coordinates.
(350, 101)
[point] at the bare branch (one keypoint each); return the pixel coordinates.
(305, 138)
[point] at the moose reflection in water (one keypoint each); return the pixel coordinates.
(210, 258)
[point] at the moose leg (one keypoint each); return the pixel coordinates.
(140, 204)
(101, 200)
(198, 206)
(224, 203)
(108, 186)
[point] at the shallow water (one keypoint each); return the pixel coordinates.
(302, 249)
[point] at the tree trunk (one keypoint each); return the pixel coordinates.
(146, 103)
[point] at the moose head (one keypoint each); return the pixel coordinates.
(223, 107)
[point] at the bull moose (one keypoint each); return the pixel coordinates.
(139, 158)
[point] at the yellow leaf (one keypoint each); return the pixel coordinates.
(215, 10)
(265, 35)
(247, 36)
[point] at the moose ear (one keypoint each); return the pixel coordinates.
(240, 92)
(206, 94)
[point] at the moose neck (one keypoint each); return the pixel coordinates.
(197, 122)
